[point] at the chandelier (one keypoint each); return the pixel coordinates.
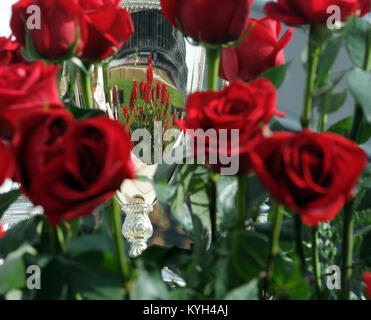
(139, 5)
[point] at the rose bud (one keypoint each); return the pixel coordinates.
(295, 13)
(109, 27)
(10, 52)
(211, 21)
(364, 7)
(24, 87)
(61, 22)
(260, 51)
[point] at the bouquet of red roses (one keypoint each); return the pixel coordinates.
(71, 161)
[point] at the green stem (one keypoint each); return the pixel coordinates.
(212, 207)
(116, 225)
(348, 219)
(323, 122)
(347, 250)
(213, 61)
(273, 246)
(315, 261)
(86, 90)
(312, 65)
(355, 130)
(299, 242)
(241, 202)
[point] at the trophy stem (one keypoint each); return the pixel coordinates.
(137, 228)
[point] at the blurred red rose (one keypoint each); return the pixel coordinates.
(367, 279)
(364, 7)
(109, 27)
(212, 21)
(313, 174)
(247, 107)
(10, 52)
(61, 22)
(7, 165)
(75, 166)
(299, 12)
(2, 232)
(24, 87)
(260, 51)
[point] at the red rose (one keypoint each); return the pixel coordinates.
(61, 22)
(367, 279)
(298, 12)
(2, 232)
(247, 107)
(76, 165)
(259, 52)
(24, 87)
(6, 163)
(313, 174)
(364, 7)
(109, 27)
(212, 21)
(10, 52)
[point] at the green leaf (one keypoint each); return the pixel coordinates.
(149, 286)
(165, 193)
(365, 181)
(157, 257)
(200, 207)
(275, 125)
(365, 202)
(13, 271)
(360, 83)
(328, 58)
(6, 199)
(343, 126)
(163, 173)
(184, 178)
(86, 243)
(249, 254)
(24, 232)
(356, 43)
(93, 276)
(81, 114)
(287, 230)
(247, 291)
(277, 75)
(332, 101)
(365, 253)
(79, 64)
(226, 197)
(30, 52)
(256, 195)
(289, 282)
(173, 197)
(185, 294)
